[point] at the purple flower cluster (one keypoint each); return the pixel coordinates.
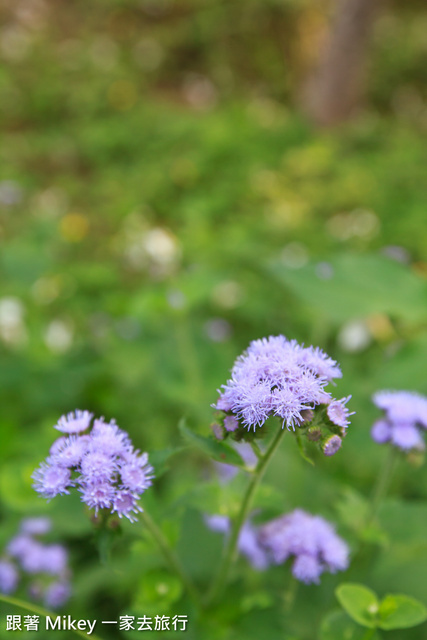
(248, 543)
(310, 540)
(404, 421)
(46, 564)
(279, 377)
(101, 462)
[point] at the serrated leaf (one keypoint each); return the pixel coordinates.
(338, 626)
(401, 612)
(359, 602)
(219, 451)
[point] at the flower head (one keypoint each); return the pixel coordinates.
(46, 564)
(332, 445)
(338, 412)
(74, 422)
(102, 463)
(275, 376)
(125, 504)
(57, 594)
(310, 540)
(9, 577)
(69, 452)
(55, 559)
(403, 406)
(51, 479)
(248, 543)
(98, 495)
(108, 438)
(231, 423)
(35, 526)
(404, 420)
(135, 472)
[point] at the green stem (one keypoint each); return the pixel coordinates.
(382, 483)
(256, 450)
(29, 606)
(104, 536)
(170, 557)
(369, 633)
(290, 594)
(188, 356)
(231, 547)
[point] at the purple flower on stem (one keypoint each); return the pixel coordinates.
(307, 569)
(98, 495)
(406, 437)
(55, 559)
(403, 406)
(97, 467)
(404, 421)
(338, 412)
(248, 543)
(19, 546)
(108, 438)
(36, 526)
(381, 431)
(135, 472)
(102, 463)
(331, 445)
(250, 547)
(70, 451)
(275, 376)
(32, 561)
(51, 479)
(41, 561)
(231, 423)
(312, 542)
(9, 577)
(74, 422)
(319, 363)
(57, 594)
(125, 504)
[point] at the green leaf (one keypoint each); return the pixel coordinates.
(400, 612)
(359, 602)
(159, 586)
(256, 600)
(352, 509)
(361, 285)
(338, 626)
(219, 451)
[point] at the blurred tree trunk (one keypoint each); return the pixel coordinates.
(336, 86)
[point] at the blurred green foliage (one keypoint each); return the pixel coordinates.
(162, 203)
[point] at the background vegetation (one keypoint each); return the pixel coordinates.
(163, 201)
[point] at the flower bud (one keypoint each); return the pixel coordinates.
(314, 434)
(331, 445)
(218, 431)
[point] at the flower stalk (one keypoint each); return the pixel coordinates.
(171, 558)
(382, 484)
(230, 550)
